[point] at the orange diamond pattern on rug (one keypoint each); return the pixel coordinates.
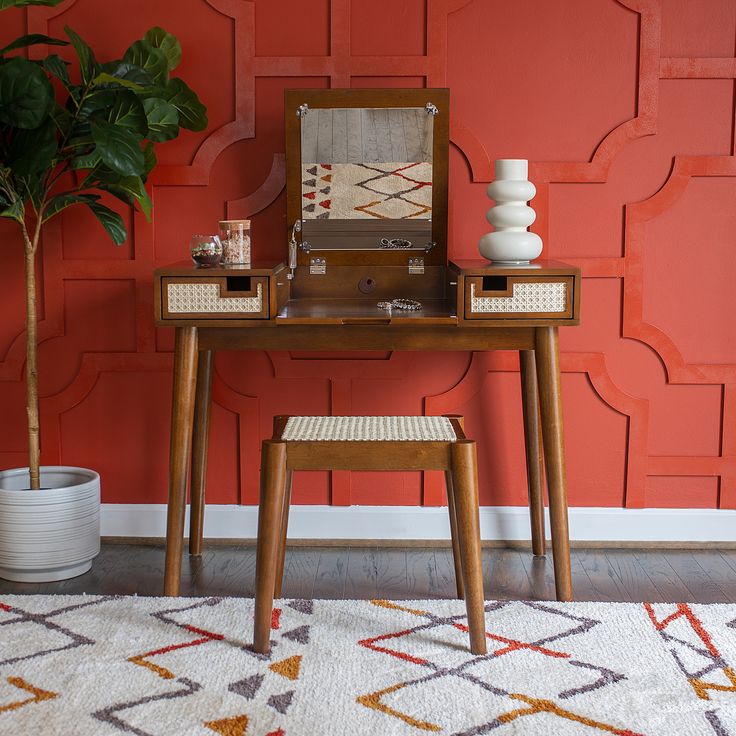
(96, 665)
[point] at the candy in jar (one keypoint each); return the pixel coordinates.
(235, 237)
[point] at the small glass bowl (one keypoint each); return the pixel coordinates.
(206, 250)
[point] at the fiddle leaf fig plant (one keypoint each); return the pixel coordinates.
(67, 139)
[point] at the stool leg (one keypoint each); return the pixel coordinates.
(465, 491)
(270, 510)
(199, 451)
(284, 528)
(533, 447)
(453, 534)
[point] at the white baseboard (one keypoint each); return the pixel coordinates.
(509, 523)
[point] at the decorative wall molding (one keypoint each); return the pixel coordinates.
(508, 523)
(217, 178)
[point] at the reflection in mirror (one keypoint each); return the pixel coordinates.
(367, 164)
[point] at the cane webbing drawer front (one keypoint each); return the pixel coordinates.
(519, 297)
(215, 298)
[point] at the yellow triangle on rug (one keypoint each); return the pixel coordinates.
(288, 668)
(229, 726)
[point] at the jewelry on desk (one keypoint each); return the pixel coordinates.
(395, 243)
(410, 305)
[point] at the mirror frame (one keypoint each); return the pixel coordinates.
(370, 98)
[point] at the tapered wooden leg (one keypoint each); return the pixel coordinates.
(533, 446)
(182, 415)
(465, 491)
(454, 535)
(550, 404)
(270, 511)
(284, 529)
(199, 451)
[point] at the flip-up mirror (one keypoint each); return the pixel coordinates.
(367, 174)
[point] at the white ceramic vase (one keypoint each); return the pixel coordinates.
(511, 242)
(49, 534)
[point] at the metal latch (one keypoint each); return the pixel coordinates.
(416, 266)
(318, 266)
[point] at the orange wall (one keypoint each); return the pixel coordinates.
(626, 110)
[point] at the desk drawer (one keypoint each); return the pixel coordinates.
(236, 297)
(518, 297)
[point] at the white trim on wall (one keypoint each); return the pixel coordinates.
(509, 523)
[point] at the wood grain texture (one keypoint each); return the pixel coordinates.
(547, 358)
(182, 416)
(200, 442)
(533, 448)
(510, 574)
(465, 492)
(270, 514)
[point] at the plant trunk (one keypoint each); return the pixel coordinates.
(34, 445)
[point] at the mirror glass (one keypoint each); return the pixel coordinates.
(366, 177)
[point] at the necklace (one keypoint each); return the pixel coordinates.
(410, 305)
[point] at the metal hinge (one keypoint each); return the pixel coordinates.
(431, 108)
(416, 266)
(302, 110)
(317, 266)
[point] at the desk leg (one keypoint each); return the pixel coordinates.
(182, 415)
(550, 400)
(533, 447)
(200, 437)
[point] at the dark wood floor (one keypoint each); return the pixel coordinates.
(706, 576)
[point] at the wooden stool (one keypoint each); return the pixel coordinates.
(368, 443)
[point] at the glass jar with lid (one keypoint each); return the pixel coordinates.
(235, 238)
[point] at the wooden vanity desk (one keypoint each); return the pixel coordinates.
(326, 295)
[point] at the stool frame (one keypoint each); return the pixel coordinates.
(280, 458)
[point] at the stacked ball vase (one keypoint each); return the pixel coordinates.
(511, 243)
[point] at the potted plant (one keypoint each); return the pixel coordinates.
(71, 139)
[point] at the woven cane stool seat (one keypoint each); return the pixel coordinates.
(369, 429)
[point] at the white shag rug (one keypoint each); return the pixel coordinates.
(97, 665)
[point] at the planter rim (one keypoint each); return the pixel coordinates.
(92, 479)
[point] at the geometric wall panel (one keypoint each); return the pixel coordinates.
(625, 110)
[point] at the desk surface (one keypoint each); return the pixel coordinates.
(467, 294)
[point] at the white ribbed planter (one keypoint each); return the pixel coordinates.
(50, 534)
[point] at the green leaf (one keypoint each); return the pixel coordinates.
(163, 119)
(104, 79)
(129, 189)
(32, 39)
(167, 42)
(150, 59)
(85, 161)
(31, 152)
(149, 157)
(15, 211)
(128, 112)
(62, 201)
(118, 147)
(55, 65)
(102, 98)
(22, 3)
(26, 95)
(192, 113)
(111, 221)
(62, 118)
(129, 72)
(87, 62)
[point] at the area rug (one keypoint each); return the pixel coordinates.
(96, 665)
